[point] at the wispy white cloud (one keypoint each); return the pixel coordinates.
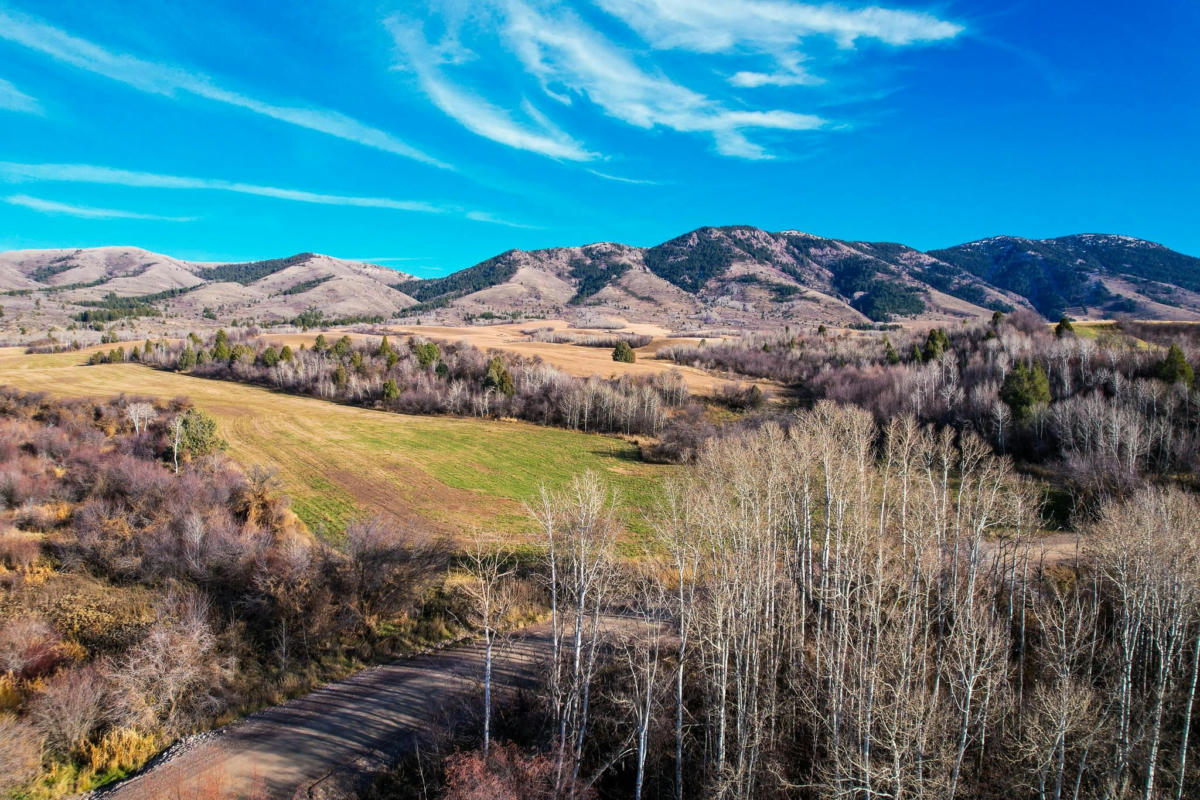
(775, 29)
(487, 216)
(715, 26)
(85, 212)
(560, 50)
(13, 99)
(572, 59)
(620, 179)
(475, 113)
(86, 173)
(168, 80)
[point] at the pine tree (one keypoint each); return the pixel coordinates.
(498, 377)
(889, 352)
(1175, 368)
(1024, 388)
(935, 344)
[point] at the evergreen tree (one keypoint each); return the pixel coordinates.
(935, 344)
(623, 352)
(220, 349)
(889, 352)
(1024, 388)
(187, 359)
(1064, 327)
(498, 377)
(198, 436)
(427, 353)
(1175, 368)
(390, 390)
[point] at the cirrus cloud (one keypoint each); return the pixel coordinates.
(85, 212)
(168, 80)
(13, 172)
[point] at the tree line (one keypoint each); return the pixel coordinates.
(421, 376)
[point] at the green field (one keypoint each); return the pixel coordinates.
(438, 474)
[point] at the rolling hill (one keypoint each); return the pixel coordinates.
(713, 276)
(43, 288)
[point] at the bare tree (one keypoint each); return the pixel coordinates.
(141, 415)
(489, 591)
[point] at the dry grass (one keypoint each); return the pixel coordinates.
(573, 359)
(438, 474)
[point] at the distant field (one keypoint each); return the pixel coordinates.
(576, 359)
(439, 474)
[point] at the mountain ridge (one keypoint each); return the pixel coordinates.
(736, 274)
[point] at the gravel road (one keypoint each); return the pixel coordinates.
(322, 744)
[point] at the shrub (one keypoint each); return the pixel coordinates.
(506, 774)
(18, 550)
(1064, 327)
(174, 675)
(624, 353)
(739, 397)
(29, 647)
(69, 709)
(20, 753)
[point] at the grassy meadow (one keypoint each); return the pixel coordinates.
(440, 474)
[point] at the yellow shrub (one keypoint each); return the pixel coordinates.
(10, 693)
(121, 750)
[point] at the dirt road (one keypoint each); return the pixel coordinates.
(321, 743)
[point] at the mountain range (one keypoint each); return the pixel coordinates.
(736, 275)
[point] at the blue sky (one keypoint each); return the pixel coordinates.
(431, 135)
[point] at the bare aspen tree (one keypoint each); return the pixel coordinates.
(580, 530)
(176, 429)
(676, 537)
(641, 651)
(141, 415)
(489, 590)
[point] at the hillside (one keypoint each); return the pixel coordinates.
(1095, 275)
(85, 287)
(735, 276)
(711, 275)
(739, 274)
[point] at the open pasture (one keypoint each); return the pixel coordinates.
(441, 474)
